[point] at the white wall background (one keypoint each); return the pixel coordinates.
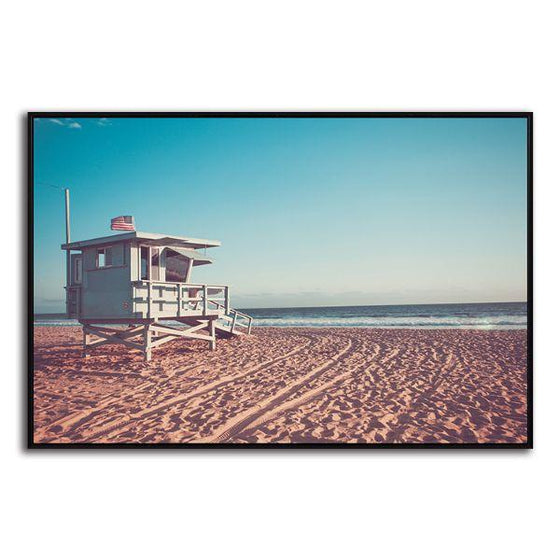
(430, 55)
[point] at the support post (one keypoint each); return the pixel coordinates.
(212, 332)
(147, 343)
(189, 270)
(179, 299)
(226, 296)
(86, 339)
(205, 299)
(234, 321)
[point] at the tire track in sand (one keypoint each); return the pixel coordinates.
(123, 422)
(272, 412)
(239, 422)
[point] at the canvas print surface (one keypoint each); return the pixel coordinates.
(280, 279)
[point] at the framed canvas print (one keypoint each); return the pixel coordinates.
(280, 280)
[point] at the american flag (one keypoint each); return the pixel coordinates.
(124, 223)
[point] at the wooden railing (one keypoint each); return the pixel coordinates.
(166, 299)
(178, 298)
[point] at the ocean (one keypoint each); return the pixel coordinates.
(429, 316)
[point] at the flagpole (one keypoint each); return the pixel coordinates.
(67, 203)
(68, 259)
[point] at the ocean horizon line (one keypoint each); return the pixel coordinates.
(387, 305)
(492, 315)
(245, 308)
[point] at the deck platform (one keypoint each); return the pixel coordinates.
(145, 334)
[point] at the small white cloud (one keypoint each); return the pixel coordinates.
(104, 121)
(67, 122)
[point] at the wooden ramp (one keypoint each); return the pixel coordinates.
(234, 324)
(223, 331)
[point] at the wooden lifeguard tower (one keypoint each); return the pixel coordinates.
(135, 289)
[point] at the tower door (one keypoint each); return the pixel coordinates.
(76, 279)
(73, 291)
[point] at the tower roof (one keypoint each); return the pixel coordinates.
(153, 239)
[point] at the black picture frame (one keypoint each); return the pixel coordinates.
(31, 116)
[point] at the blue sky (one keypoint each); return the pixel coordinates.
(309, 211)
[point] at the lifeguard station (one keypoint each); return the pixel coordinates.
(135, 289)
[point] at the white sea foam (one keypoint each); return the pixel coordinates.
(500, 322)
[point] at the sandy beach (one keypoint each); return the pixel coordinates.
(287, 386)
